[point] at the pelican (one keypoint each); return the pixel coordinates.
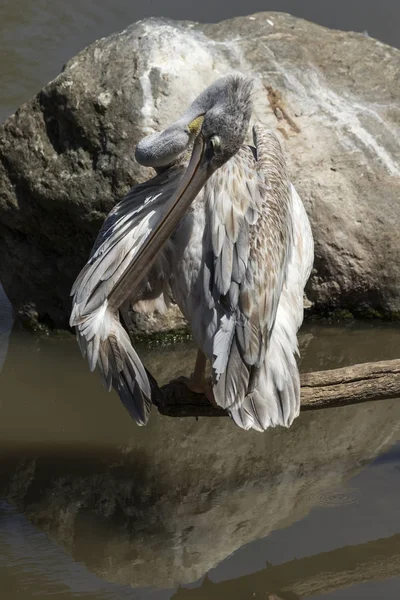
(226, 237)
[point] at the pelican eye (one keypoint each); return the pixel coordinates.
(215, 142)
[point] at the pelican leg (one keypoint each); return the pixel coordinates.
(199, 373)
(197, 382)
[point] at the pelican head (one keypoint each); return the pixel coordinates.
(218, 119)
(216, 124)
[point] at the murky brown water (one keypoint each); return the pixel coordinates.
(91, 506)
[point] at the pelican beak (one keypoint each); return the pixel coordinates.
(194, 178)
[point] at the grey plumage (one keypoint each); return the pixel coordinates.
(230, 241)
(101, 335)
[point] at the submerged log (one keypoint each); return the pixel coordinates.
(322, 389)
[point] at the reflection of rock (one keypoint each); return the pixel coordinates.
(181, 358)
(6, 322)
(341, 346)
(174, 503)
(67, 155)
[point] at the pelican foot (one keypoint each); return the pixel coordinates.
(199, 387)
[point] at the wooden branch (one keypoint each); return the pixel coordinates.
(351, 385)
(322, 389)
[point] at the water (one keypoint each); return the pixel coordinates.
(37, 38)
(93, 507)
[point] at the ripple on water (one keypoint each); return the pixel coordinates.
(334, 498)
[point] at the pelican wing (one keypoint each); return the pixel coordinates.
(251, 239)
(124, 231)
(100, 334)
(277, 399)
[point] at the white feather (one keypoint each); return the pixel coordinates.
(222, 344)
(100, 334)
(279, 376)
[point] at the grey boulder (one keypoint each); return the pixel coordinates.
(67, 156)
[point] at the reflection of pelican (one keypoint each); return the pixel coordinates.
(152, 513)
(229, 237)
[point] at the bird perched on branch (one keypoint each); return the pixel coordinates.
(225, 236)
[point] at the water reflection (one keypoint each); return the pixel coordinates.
(168, 508)
(166, 504)
(310, 576)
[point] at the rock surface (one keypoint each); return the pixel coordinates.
(67, 155)
(6, 323)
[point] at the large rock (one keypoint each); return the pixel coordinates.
(6, 323)
(67, 155)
